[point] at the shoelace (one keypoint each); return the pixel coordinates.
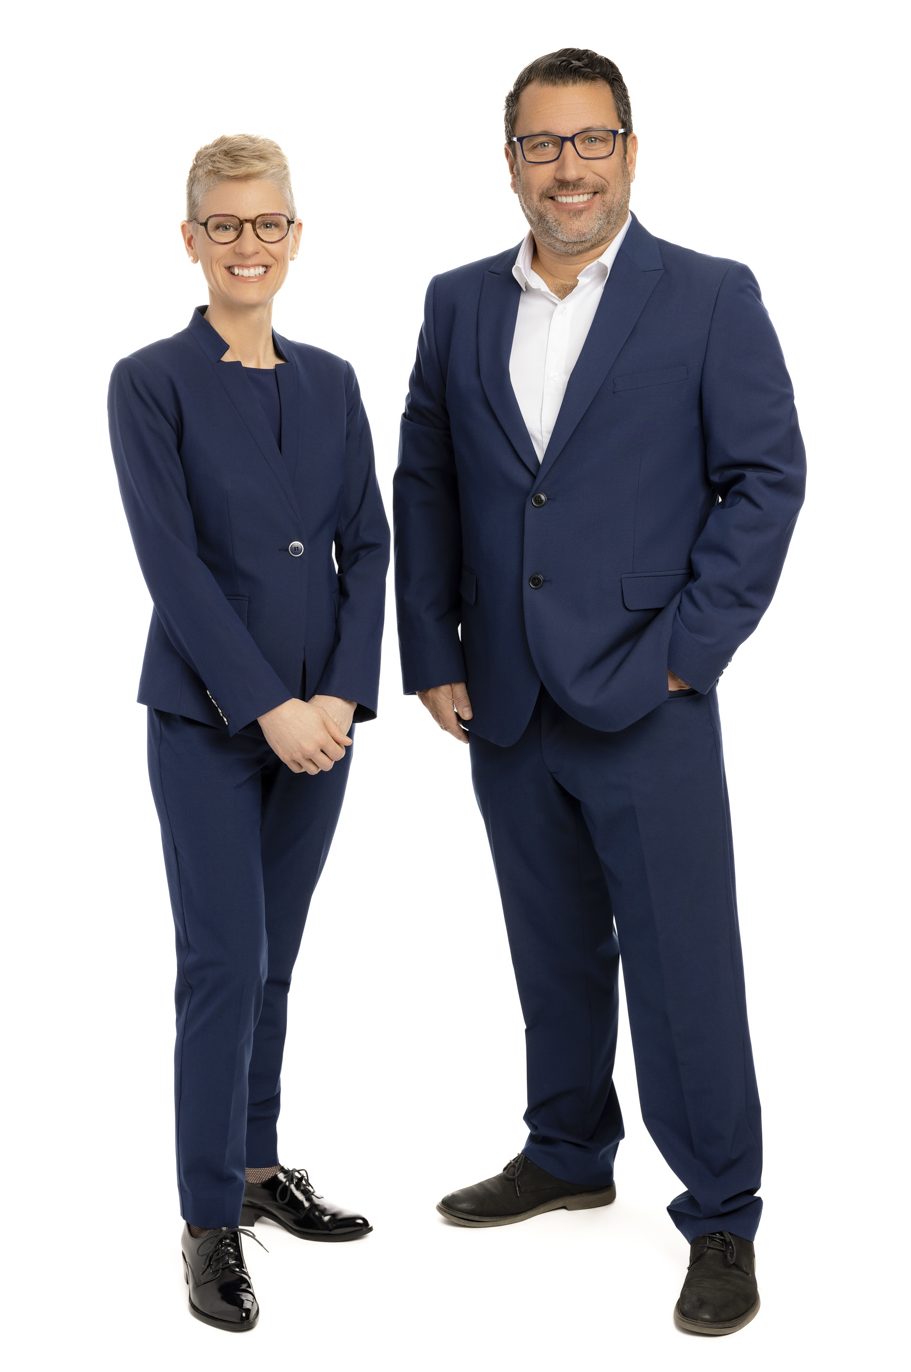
(225, 1254)
(296, 1177)
(516, 1165)
(720, 1240)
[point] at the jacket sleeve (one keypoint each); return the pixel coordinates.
(200, 622)
(756, 462)
(362, 557)
(428, 535)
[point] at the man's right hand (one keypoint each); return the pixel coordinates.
(449, 705)
(305, 736)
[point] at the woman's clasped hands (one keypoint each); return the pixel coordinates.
(309, 735)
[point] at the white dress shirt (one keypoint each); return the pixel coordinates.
(549, 336)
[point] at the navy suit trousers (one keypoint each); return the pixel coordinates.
(611, 845)
(245, 840)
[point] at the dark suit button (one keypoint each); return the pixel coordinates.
(295, 548)
(535, 580)
(539, 499)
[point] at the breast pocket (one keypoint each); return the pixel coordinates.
(658, 376)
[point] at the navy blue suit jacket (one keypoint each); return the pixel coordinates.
(671, 486)
(240, 623)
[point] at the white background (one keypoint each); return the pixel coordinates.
(770, 134)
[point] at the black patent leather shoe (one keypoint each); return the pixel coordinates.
(521, 1190)
(719, 1294)
(289, 1199)
(220, 1290)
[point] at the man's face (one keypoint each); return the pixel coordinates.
(571, 227)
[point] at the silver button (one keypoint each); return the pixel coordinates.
(295, 548)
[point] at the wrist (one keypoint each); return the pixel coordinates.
(275, 709)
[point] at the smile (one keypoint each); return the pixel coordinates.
(574, 199)
(248, 271)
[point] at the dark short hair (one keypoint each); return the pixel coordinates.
(567, 67)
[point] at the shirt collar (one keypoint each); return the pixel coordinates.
(600, 268)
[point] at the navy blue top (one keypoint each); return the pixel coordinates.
(264, 381)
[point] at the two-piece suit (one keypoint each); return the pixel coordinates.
(649, 538)
(266, 567)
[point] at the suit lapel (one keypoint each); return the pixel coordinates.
(635, 273)
(236, 386)
(497, 310)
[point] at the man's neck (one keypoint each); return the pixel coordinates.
(559, 271)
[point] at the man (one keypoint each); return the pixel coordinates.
(599, 474)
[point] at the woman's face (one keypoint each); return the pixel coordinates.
(246, 199)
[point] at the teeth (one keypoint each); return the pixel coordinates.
(247, 271)
(574, 199)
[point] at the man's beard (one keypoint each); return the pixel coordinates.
(557, 232)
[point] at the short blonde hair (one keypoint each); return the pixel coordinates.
(231, 157)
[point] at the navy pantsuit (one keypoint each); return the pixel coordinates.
(244, 839)
(650, 538)
(266, 565)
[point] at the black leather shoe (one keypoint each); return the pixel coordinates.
(719, 1294)
(220, 1290)
(289, 1199)
(521, 1190)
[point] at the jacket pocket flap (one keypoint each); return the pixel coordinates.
(468, 585)
(656, 377)
(240, 603)
(652, 590)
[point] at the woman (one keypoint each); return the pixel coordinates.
(244, 462)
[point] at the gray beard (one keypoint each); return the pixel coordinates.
(549, 229)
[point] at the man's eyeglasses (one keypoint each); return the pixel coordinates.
(227, 228)
(548, 147)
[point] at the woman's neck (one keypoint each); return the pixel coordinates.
(248, 334)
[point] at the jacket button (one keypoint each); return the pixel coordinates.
(539, 499)
(535, 580)
(295, 548)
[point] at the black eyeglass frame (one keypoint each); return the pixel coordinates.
(563, 139)
(274, 214)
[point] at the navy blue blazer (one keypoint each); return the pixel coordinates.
(653, 533)
(236, 537)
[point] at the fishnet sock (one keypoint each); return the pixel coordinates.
(250, 1174)
(261, 1173)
